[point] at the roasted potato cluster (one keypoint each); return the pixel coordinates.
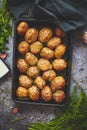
(41, 59)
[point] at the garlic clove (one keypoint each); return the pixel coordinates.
(84, 38)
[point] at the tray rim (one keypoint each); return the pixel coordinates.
(69, 77)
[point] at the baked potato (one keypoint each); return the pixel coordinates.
(39, 82)
(59, 32)
(58, 83)
(33, 72)
(59, 96)
(23, 47)
(49, 75)
(59, 64)
(31, 35)
(34, 93)
(25, 81)
(60, 51)
(31, 59)
(54, 42)
(22, 28)
(22, 65)
(47, 53)
(36, 47)
(45, 34)
(46, 94)
(44, 64)
(22, 92)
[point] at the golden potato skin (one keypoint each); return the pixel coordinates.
(34, 93)
(60, 51)
(31, 35)
(39, 82)
(22, 92)
(43, 52)
(31, 59)
(59, 32)
(23, 47)
(22, 65)
(49, 75)
(33, 72)
(22, 28)
(46, 94)
(44, 64)
(25, 81)
(59, 64)
(45, 34)
(36, 47)
(58, 83)
(59, 96)
(47, 53)
(54, 42)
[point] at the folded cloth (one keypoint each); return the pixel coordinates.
(67, 14)
(20, 8)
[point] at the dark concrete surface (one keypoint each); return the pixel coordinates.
(34, 113)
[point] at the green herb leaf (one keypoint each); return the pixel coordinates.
(5, 27)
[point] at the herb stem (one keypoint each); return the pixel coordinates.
(18, 119)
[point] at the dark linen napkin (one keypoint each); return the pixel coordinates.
(68, 14)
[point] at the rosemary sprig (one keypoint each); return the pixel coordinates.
(74, 117)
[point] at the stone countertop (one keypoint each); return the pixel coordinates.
(34, 113)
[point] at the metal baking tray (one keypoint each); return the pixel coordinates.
(65, 73)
